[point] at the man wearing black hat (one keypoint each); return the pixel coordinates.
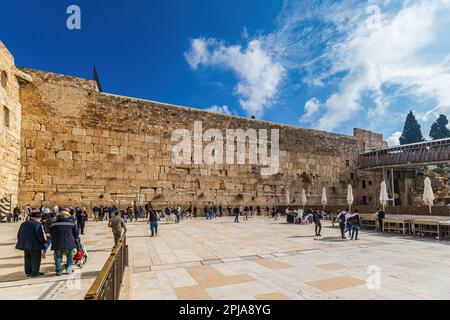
(31, 240)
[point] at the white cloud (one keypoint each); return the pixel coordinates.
(311, 107)
(400, 52)
(258, 75)
(367, 66)
(393, 140)
(219, 109)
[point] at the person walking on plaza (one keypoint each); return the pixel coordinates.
(153, 219)
(31, 240)
(65, 238)
(380, 214)
(236, 214)
(118, 225)
(16, 214)
(96, 211)
(27, 212)
(245, 211)
(347, 223)
(110, 212)
(355, 224)
(317, 216)
(276, 213)
(82, 217)
(341, 219)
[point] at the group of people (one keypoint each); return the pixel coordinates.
(45, 229)
(348, 222)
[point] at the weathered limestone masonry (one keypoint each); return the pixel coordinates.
(10, 121)
(83, 146)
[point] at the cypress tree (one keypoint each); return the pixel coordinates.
(411, 130)
(439, 128)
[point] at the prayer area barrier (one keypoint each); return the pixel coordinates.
(108, 283)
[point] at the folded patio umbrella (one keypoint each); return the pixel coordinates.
(383, 194)
(428, 196)
(303, 198)
(324, 197)
(350, 197)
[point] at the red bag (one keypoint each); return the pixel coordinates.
(78, 255)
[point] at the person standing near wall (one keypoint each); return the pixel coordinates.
(16, 214)
(236, 214)
(82, 217)
(380, 214)
(31, 240)
(153, 219)
(317, 216)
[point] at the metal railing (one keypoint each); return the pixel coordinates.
(108, 283)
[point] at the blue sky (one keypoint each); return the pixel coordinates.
(330, 65)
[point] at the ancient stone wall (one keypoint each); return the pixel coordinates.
(10, 121)
(81, 146)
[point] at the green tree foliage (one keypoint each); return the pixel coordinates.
(411, 130)
(439, 128)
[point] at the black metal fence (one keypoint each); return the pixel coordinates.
(108, 283)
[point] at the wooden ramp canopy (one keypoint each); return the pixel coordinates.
(416, 154)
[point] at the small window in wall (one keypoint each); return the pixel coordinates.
(370, 183)
(347, 163)
(6, 117)
(352, 176)
(363, 182)
(3, 78)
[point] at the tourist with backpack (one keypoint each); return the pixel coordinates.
(236, 214)
(355, 224)
(65, 238)
(380, 215)
(341, 219)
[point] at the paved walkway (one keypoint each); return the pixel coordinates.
(255, 259)
(262, 259)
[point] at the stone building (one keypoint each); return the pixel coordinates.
(78, 145)
(10, 125)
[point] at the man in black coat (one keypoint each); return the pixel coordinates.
(65, 238)
(381, 215)
(31, 240)
(82, 217)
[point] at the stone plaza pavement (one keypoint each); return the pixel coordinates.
(255, 259)
(263, 259)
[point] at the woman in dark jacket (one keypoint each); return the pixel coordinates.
(64, 235)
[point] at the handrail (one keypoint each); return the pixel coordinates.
(107, 284)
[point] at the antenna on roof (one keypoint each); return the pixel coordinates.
(97, 80)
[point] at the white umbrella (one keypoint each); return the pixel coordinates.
(303, 198)
(324, 197)
(383, 194)
(350, 196)
(428, 196)
(288, 200)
